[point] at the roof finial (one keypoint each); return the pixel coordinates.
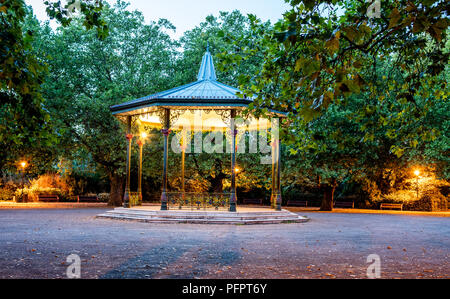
(207, 71)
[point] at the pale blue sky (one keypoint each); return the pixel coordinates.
(186, 14)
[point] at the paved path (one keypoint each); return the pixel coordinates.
(35, 244)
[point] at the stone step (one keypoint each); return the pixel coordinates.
(199, 213)
(205, 221)
(177, 212)
(203, 217)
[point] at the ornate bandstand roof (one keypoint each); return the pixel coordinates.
(205, 103)
(205, 93)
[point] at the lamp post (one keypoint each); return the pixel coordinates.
(141, 143)
(23, 165)
(417, 173)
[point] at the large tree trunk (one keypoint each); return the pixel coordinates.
(116, 190)
(216, 184)
(217, 181)
(328, 197)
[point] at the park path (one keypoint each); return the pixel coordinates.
(36, 243)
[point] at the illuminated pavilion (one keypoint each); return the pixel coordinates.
(217, 106)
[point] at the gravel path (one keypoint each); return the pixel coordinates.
(36, 243)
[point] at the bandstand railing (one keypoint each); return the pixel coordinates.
(198, 201)
(135, 200)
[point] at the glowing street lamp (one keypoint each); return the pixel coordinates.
(237, 170)
(23, 165)
(417, 173)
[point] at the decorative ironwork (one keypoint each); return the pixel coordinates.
(198, 201)
(175, 115)
(225, 115)
(162, 116)
(135, 199)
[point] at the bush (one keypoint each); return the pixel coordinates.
(103, 197)
(6, 194)
(51, 184)
(400, 196)
(429, 201)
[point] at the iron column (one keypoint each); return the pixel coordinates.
(233, 198)
(274, 169)
(141, 147)
(278, 193)
(129, 136)
(166, 132)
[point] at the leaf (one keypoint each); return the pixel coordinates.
(394, 17)
(436, 29)
(350, 32)
(332, 45)
(299, 64)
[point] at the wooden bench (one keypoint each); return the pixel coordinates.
(48, 198)
(82, 198)
(297, 203)
(252, 201)
(344, 204)
(391, 206)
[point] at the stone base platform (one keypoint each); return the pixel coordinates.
(244, 215)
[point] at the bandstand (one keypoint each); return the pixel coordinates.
(205, 105)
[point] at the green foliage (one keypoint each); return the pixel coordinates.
(364, 96)
(24, 126)
(324, 52)
(89, 10)
(6, 194)
(88, 75)
(220, 33)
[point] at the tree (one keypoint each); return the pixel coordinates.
(332, 53)
(88, 75)
(23, 123)
(218, 32)
(89, 10)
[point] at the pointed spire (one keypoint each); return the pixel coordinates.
(207, 71)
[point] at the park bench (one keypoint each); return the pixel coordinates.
(297, 203)
(344, 204)
(252, 201)
(391, 206)
(83, 198)
(48, 198)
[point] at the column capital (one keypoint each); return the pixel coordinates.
(140, 142)
(129, 136)
(234, 132)
(166, 132)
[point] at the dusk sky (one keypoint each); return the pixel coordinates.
(185, 14)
